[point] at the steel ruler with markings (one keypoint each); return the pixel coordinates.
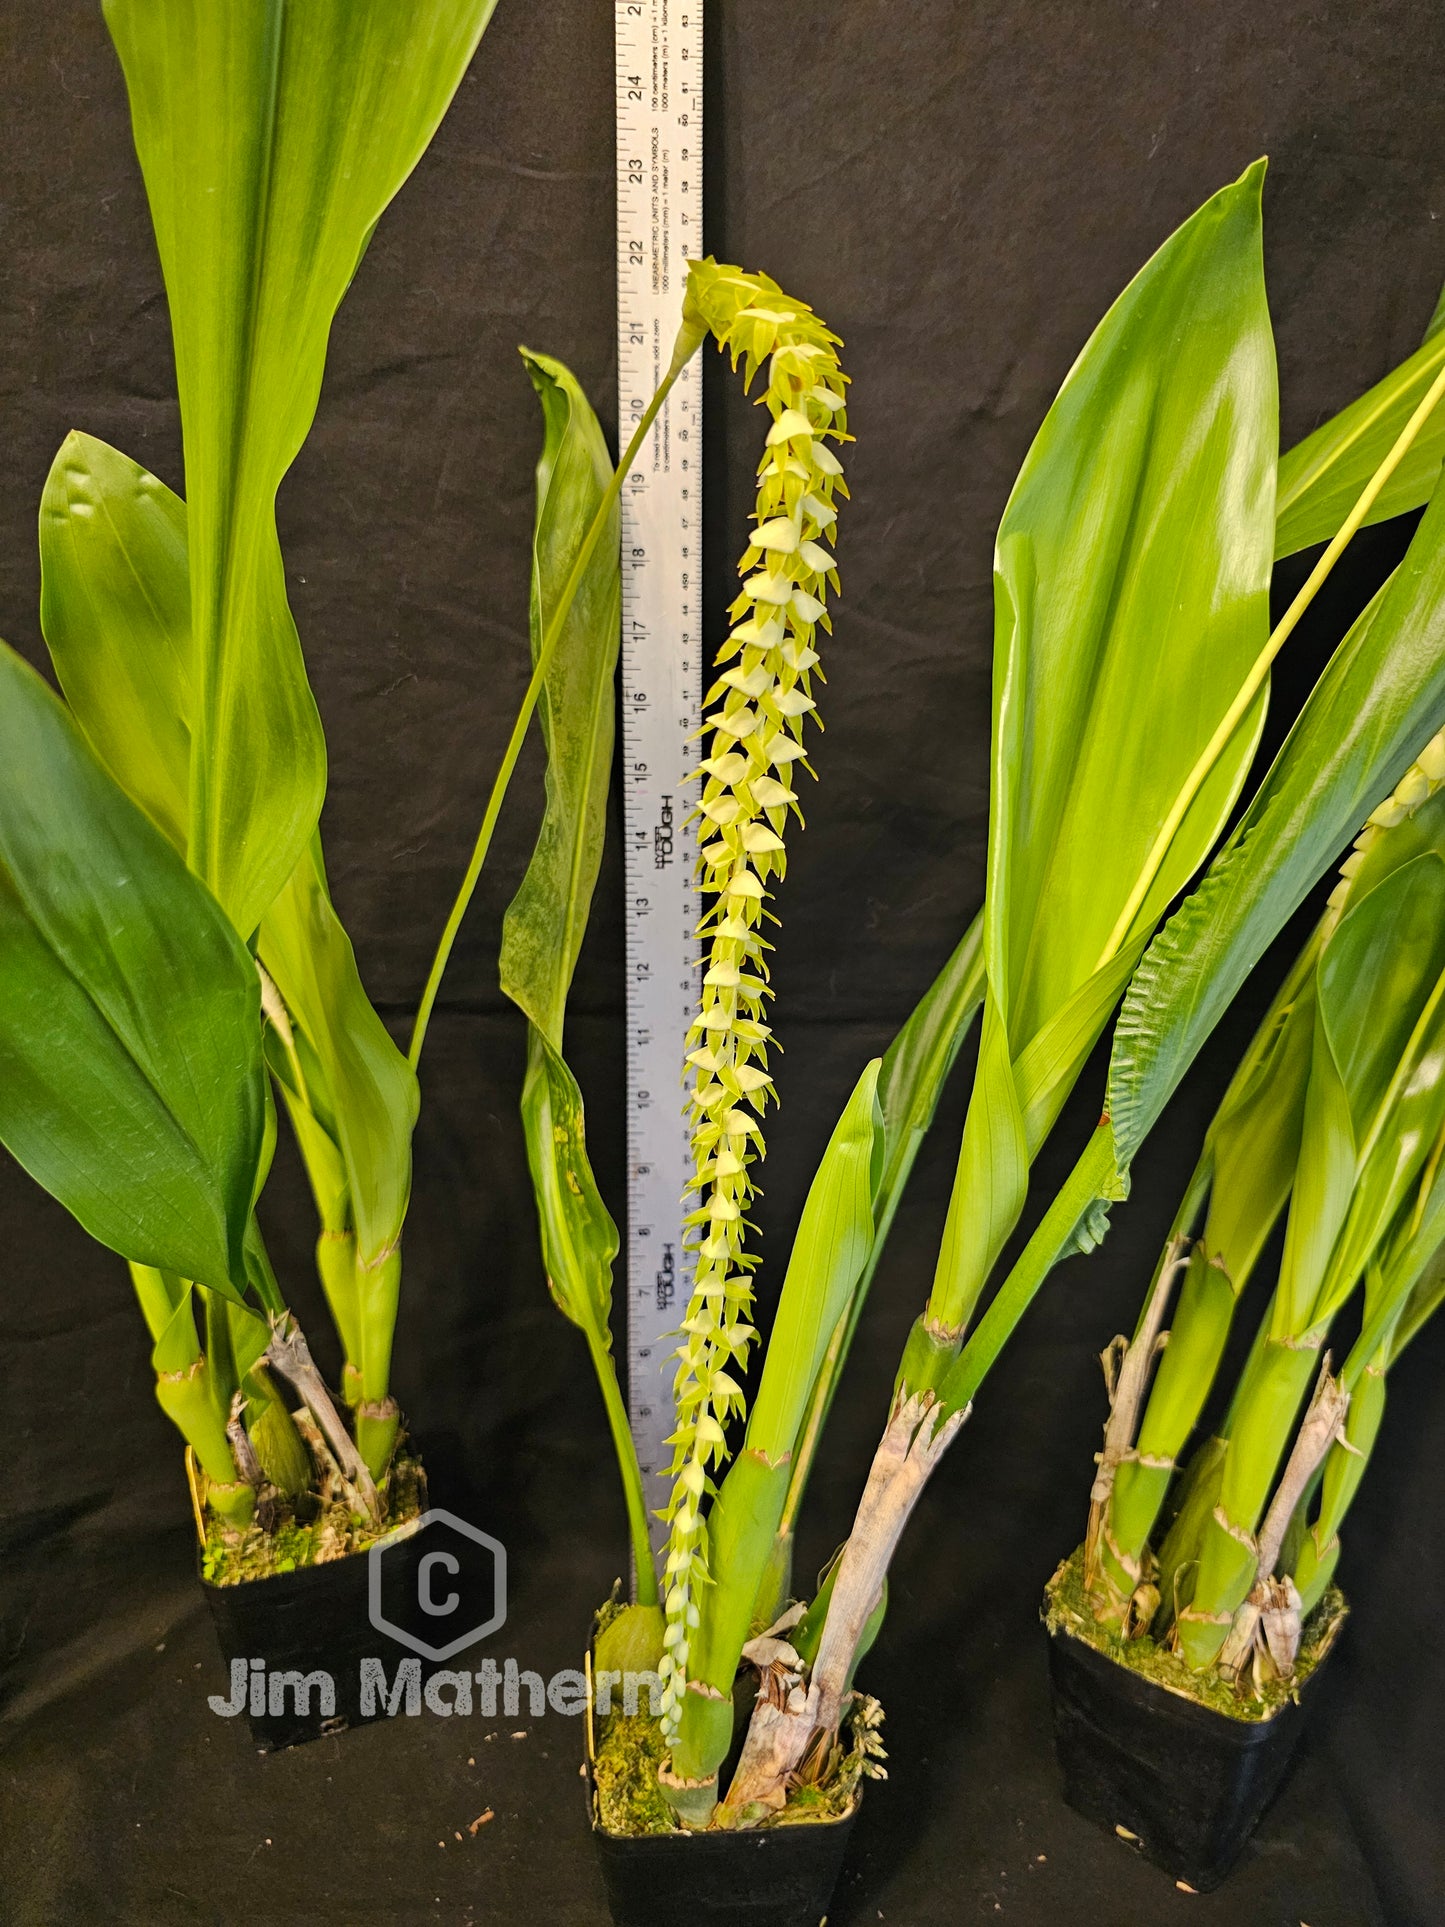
(659, 227)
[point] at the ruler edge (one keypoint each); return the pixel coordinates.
(651, 1378)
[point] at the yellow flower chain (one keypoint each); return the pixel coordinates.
(756, 748)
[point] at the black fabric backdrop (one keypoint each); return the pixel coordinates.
(960, 190)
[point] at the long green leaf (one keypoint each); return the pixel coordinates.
(131, 1078)
(547, 918)
(1321, 478)
(544, 925)
(271, 137)
(545, 921)
(1381, 696)
(579, 1239)
(1131, 592)
(115, 609)
(831, 1248)
(368, 1083)
(1132, 573)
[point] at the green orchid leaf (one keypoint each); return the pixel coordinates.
(1132, 574)
(271, 138)
(1378, 970)
(831, 1248)
(131, 1078)
(1381, 989)
(1321, 479)
(1381, 696)
(1131, 594)
(544, 925)
(115, 608)
(1323, 1183)
(366, 1083)
(579, 1239)
(1254, 1140)
(917, 1063)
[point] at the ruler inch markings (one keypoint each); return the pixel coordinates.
(659, 228)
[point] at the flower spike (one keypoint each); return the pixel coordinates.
(755, 751)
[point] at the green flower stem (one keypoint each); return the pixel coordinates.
(688, 342)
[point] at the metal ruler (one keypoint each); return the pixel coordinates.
(659, 227)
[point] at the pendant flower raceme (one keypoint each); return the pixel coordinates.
(755, 744)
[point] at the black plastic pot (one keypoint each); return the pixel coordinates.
(316, 1619)
(764, 1877)
(1188, 1783)
(772, 1877)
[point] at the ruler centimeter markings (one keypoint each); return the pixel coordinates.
(659, 227)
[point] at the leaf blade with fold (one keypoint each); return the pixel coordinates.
(131, 1081)
(1131, 592)
(262, 207)
(115, 610)
(1381, 695)
(544, 925)
(1320, 479)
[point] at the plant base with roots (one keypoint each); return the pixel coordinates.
(1254, 1695)
(320, 1526)
(627, 1751)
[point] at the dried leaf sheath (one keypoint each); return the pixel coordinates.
(755, 747)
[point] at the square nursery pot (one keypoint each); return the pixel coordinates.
(765, 1877)
(318, 1619)
(1190, 1784)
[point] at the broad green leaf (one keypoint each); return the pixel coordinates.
(1381, 696)
(1132, 579)
(911, 1078)
(990, 1183)
(831, 1248)
(131, 1079)
(271, 138)
(917, 1063)
(1381, 987)
(368, 1085)
(115, 609)
(1324, 1180)
(1254, 1140)
(1321, 479)
(1426, 1290)
(544, 924)
(546, 919)
(579, 1239)
(1378, 969)
(1131, 604)
(115, 605)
